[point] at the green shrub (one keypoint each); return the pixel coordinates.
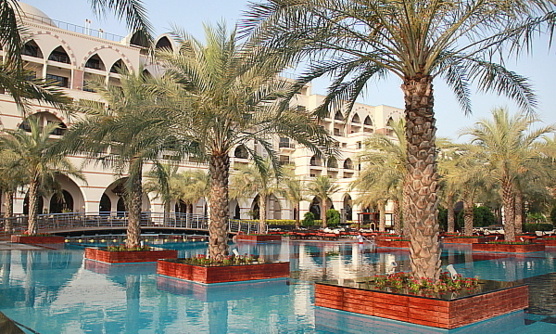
(537, 227)
(553, 215)
(332, 217)
(483, 216)
(308, 219)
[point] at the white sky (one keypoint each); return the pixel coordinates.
(190, 15)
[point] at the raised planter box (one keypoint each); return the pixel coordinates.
(35, 239)
(103, 255)
(508, 248)
(221, 274)
(546, 242)
(466, 240)
(257, 237)
(442, 313)
(392, 243)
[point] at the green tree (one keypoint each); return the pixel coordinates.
(129, 132)
(385, 161)
(37, 159)
(260, 178)
(322, 187)
(291, 189)
(417, 41)
(224, 100)
(506, 143)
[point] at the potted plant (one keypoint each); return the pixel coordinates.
(231, 268)
(123, 254)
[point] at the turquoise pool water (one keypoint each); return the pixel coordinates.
(57, 291)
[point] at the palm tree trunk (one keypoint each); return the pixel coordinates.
(323, 212)
(219, 174)
(421, 203)
(468, 215)
(508, 200)
(451, 215)
(518, 213)
(396, 217)
(33, 207)
(135, 200)
(9, 210)
(381, 217)
(262, 213)
(297, 220)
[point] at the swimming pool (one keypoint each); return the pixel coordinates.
(57, 291)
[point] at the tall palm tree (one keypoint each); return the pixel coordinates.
(385, 161)
(129, 132)
(322, 187)
(506, 143)
(291, 190)
(37, 159)
(260, 178)
(191, 187)
(417, 41)
(223, 101)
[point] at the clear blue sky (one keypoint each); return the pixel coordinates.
(540, 68)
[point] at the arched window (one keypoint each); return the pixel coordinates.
(105, 205)
(315, 161)
(32, 49)
(118, 67)
(348, 164)
(339, 116)
(241, 152)
(390, 122)
(95, 63)
(164, 43)
(139, 38)
(61, 203)
(368, 121)
(60, 55)
(44, 119)
(355, 119)
(332, 163)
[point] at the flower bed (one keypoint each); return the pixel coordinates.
(257, 237)
(466, 239)
(397, 243)
(37, 239)
(128, 256)
(447, 310)
(222, 273)
(516, 247)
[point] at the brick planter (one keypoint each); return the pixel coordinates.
(426, 311)
(34, 239)
(257, 237)
(460, 240)
(220, 274)
(103, 255)
(508, 248)
(546, 242)
(392, 243)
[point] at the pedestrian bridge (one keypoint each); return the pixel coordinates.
(115, 222)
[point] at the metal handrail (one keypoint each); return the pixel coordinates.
(109, 220)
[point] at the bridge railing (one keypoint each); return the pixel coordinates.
(74, 221)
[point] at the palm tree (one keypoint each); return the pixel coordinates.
(224, 101)
(259, 178)
(291, 190)
(506, 143)
(385, 160)
(37, 159)
(192, 186)
(129, 132)
(322, 187)
(417, 41)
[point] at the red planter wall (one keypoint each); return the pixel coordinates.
(420, 310)
(547, 242)
(103, 255)
(220, 274)
(392, 243)
(508, 248)
(257, 237)
(456, 240)
(29, 239)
